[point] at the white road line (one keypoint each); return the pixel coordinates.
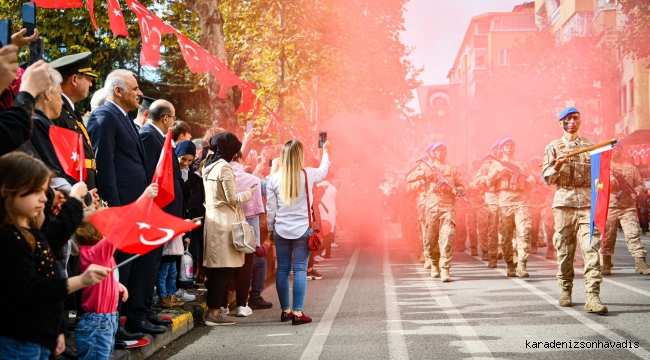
(317, 341)
(287, 334)
(472, 341)
(396, 342)
(580, 316)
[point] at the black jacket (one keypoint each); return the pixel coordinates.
(16, 123)
(43, 145)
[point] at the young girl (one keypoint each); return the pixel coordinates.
(95, 333)
(32, 326)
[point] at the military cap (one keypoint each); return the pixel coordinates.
(430, 146)
(146, 102)
(75, 64)
(504, 141)
(568, 111)
(495, 145)
(437, 145)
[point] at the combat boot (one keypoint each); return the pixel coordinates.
(607, 265)
(512, 271)
(427, 264)
(521, 269)
(444, 275)
(493, 262)
(594, 305)
(565, 298)
(485, 256)
(641, 266)
(435, 271)
(474, 251)
(550, 253)
(533, 248)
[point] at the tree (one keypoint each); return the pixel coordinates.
(634, 37)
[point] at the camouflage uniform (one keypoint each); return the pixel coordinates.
(538, 196)
(514, 213)
(549, 225)
(438, 212)
(624, 209)
(571, 211)
(477, 219)
(491, 202)
(462, 214)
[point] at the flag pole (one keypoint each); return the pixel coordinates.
(126, 261)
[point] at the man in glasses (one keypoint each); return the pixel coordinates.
(571, 210)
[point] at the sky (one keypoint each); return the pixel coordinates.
(435, 28)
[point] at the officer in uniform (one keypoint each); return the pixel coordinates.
(514, 206)
(78, 77)
(623, 208)
(491, 197)
(460, 239)
(571, 210)
(477, 215)
(538, 196)
(439, 209)
(417, 192)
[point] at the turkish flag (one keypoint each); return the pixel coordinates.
(151, 30)
(164, 175)
(69, 149)
(247, 98)
(601, 159)
(91, 11)
(140, 227)
(118, 25)
(58, 4)
(198, 59)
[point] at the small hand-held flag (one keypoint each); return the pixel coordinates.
(601, 159)
(164, 175)
(69, 149)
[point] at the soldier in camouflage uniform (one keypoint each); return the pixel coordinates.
(571, 210)
(623, 208)
(537, 196)
(460, 239)
(491, 197)
(439, 209)
(477, 215)
(514, 207)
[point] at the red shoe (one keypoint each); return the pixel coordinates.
(286, 316)
(299, 320)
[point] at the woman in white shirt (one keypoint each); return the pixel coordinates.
(288, 224)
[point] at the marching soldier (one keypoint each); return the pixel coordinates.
(571, 210)
(543, 198)
(622, 207)
(477, 216)
(492, 204)
(439, 206)
(461, 220)
(78, 77)
(512, 178)
(538, 196)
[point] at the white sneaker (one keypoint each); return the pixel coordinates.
(318, 258)
(323, 253)
(243, 311)
(224, 310)
(183, 296)
(335, 245)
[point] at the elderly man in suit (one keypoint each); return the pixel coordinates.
(122, 179)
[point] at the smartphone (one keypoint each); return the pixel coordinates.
(29, 18)
(249, 126)
(204, 152)
(36, 51)
(322, 139)
(5, 31)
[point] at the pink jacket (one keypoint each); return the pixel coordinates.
(246, 181)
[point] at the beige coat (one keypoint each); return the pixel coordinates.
(223, 207)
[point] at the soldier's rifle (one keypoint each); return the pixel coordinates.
(443, 180)
(641, 200)
(516, 171)
(588, 148)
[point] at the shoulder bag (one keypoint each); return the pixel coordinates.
(316, 236)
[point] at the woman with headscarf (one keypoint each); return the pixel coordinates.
(222, 204)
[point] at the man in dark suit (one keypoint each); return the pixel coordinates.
(76, 71)
(122, 179)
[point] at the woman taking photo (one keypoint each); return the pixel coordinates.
(222, 204)
(288, 224)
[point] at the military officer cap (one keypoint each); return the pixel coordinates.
(495, 145)
(568, 111)
(504, 141)
(146, 102)
(75, 64)
(430, 146)
(437, 145)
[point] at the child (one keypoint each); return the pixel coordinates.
(95, 333)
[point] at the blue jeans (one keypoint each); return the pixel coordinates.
(258, 276)
(166, 282)
(12, 349)
(254, 222)
(286, 249)
(95, 336)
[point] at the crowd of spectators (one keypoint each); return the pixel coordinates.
(62, 267)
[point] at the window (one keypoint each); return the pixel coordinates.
(503, 57)
(624, 100)
(482, 28)
(577, 26)
(478, 59)
(631, 87)
(513, 23)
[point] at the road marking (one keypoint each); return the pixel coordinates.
(317, 341)
(275, 345)
(472, 341)
(580, 316)
(287, 334)
(396, 343)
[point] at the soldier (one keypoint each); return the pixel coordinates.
(439, 208)
(537, 197)
(461, 220)
(546, 224)
(76, 71)
(622, 207)
(512, 179)
(477, 216)
(572, 209)
(416, 198)
(492, 204)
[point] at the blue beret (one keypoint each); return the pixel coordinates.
(504, 141)
(438, 144)
(568, 111)
(431, 146)
(185, 147)
(495, 145)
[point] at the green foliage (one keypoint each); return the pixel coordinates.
(634, 37)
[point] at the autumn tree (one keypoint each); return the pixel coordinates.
(634, 37)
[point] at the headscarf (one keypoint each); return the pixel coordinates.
(225, 146)
(185, 147)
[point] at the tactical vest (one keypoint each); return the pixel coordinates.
(511, 182)
(577, 170)
(625, 169)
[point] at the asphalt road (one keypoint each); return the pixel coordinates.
(376, 302)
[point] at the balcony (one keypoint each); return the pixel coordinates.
(600, 5)
(556, 15)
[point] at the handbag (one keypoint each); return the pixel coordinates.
(316, 236)
(243, 237)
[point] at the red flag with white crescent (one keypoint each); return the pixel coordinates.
(164, 175)
(58, 4)
(70, 151)
(118, 25)
(151, 30)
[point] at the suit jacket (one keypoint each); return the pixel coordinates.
(153, 144)
(71, 120)
(119, 154)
